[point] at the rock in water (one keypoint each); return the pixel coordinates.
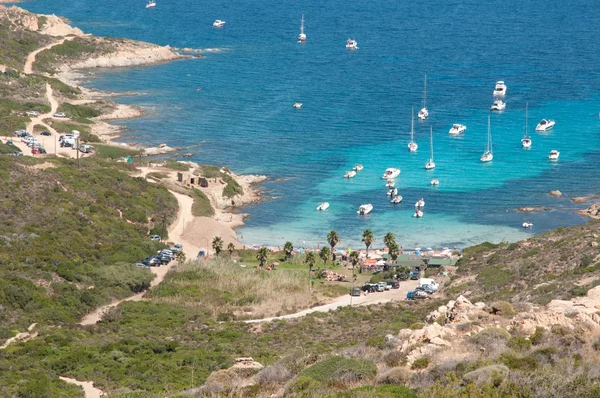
(556, 193)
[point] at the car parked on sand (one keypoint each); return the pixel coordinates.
(416, 294)
(155, 237)
(32, 113)
(60, 114)
(46, 133)
(17, 153)
(394, 285)
(355, 292)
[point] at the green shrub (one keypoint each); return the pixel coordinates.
(421, 363)
(513, 362)
(489, 336)
(79, 111)
(201, 206)
(341, 370)
(503, 308)
(537, 337)
(519, 343)
(397, 375)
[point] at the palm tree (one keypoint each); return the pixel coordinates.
(389, 239)
(231, 249)
(354, 261)
(333, 238)
(394, 251)
(262, 255)
(288, 248)
(311, 260)
(217, 245)
(324, 254)
(368, 239)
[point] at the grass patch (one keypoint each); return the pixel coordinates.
(114, 152)
(68, 127)
(201, 206)
(341, 370)
(79, 111)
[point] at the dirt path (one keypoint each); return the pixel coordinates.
(88, 387)
(342, 301)
(28, 68)
(176, 231)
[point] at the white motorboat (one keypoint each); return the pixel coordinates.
(297, 105)
(218, 23)
(527, 224)
(424, 113)
(323, 206)
(554, 154)
(151, 4)
(393, 192)
(350, 174)
(500, 89)
(498, 106)
(396, 199)
(412, 145)
(390, 184)
(365, 209)
(302, 35)
(545, 125)
(420, 203)
(358, 167)
(435, 182)
(431, 164)
(526, 140)
(390, 173)
(457, 129)
(488, 155)
(351, 44)
(418, 214)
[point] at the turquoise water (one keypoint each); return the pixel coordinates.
(357, 108)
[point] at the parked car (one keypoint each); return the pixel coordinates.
(21, 133)
(155, 237)
(32, 113)
(46, 133)
(141, 265)
(35, 151)
(414, 275)
(85, 148)
(60, 114)
(416, 294)
(164, 259)
(201, 254)
(17, 153)
(355, 292)
(425, 288)
(150, 261)
(176, 248)
(394, 285)
(430, 282)
(381, 286)
(369, 287)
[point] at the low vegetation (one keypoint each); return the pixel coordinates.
(201, 206)
(231, 189)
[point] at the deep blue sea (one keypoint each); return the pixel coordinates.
(357, 107)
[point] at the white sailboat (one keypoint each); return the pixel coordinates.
(218, 23)
(365, 209)
(526, 141)
(424, 113)
(151, 4)
(431, 164)
(412, 145)
(302, 35)
(323, 206)
(350, 174)
(488, 154)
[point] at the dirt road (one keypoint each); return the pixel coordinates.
(88, 387)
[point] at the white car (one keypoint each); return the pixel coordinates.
(32, 113)
(60, 114)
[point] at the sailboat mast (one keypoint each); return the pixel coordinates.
(302, 25)
(425, 93)
(489, 136)
(431, 142)
(526, 117)
(412, 125)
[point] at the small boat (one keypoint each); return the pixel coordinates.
(527, 224)
(435, 182)
(350, 174)
(500, 89)
(418, 214)
(396, 199)
(412, 145)
(151, 4)
(457, 129)
(218, 23)
(526, 140)
(488, 155)
(420, 204)
(297, 105)
(393, 192)
(390, 173)
(498, 106)
(302, 36)
(358, 167)
(554, 154)
(323, 206)
(431, 164)
(351, 44)
(424, 113)
(390, 184)
(365, 209)
(545, 125)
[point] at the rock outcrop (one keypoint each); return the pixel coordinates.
(592, 212)
(555, 193)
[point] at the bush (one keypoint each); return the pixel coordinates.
(519, 343)
(421, 363)
(201, 206)
(394, 358)
(490, 336)
(341, 370)
(79, 111)
(513, 362)
(398, 375)
(503, 308)
(537, 337)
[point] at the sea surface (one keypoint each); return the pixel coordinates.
(234, 107)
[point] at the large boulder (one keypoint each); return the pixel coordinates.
(555, 193)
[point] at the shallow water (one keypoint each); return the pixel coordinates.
(357, 108)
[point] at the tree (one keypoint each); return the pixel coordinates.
(231, 249)
(324, 254)
(333, 238)
(217, 245)
(354, 261)
(311, 260)
(394, 251)
(288, 248)
(389, 239)
(368, 239)
(262, 255)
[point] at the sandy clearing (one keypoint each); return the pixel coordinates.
(346, 300)
(88, 387)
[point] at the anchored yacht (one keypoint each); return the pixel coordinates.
(365, 209)
(390, 173)
(457, 129)
(545, 125)
(500, 89)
